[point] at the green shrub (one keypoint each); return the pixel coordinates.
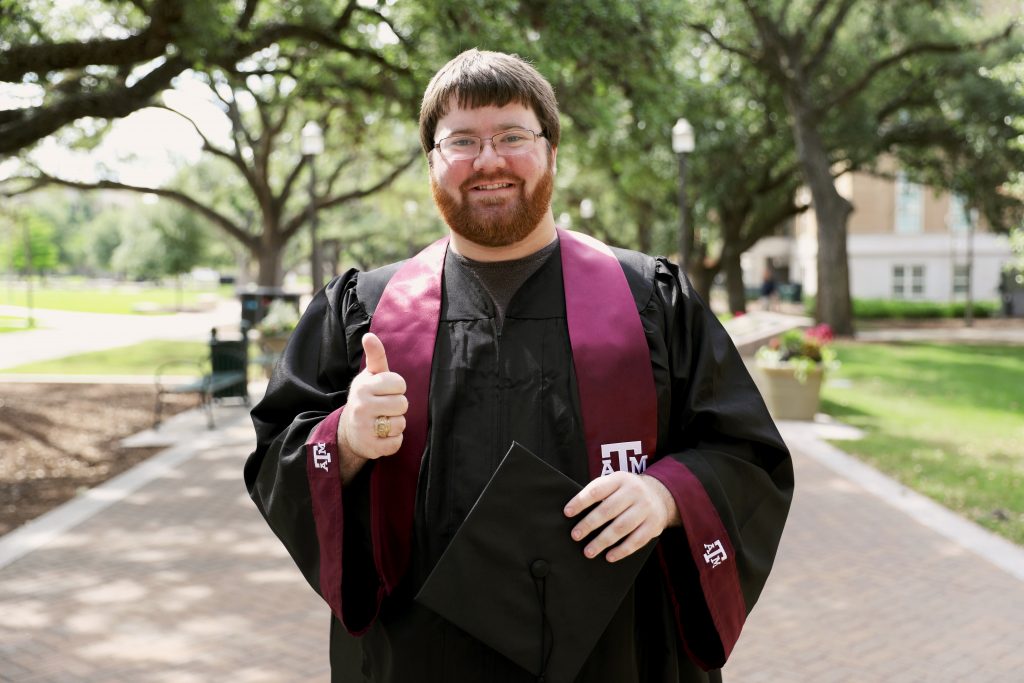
(881, 309)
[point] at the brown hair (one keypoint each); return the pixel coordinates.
(479, 79)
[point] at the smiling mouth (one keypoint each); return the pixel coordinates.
(493, 186)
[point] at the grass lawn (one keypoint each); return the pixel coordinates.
(12, 324)
(944, 419)
(138, 359)
(118, 299)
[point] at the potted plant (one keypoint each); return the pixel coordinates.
(791, 368)
(276, 326)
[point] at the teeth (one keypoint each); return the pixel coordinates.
(495, 186)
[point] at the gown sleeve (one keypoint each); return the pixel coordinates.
(293, 476)
(725, 464)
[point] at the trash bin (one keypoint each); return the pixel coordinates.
(791, 292)
(255, 303)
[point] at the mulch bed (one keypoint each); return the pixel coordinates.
(59, 439)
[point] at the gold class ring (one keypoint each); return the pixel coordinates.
(382, 426)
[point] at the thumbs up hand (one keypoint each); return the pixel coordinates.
(376, 393)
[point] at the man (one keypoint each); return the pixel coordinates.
(603, 363)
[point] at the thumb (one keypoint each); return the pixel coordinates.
(373, 351)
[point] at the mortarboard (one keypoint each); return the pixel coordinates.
(513, 578)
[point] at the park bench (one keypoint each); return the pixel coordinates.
(226, 376)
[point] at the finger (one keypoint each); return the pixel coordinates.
(619, 528)
(397, 426)
(594, 492)
(373, 351)
(612, 506)
(389, 406)
(640, 537)
(386, 446)
(385, 383)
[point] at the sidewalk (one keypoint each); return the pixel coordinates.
(168, 574)
(63, 333)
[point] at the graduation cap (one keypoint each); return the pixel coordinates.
(513, 578)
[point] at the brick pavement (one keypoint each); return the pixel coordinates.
(182, 582)
(861, 592)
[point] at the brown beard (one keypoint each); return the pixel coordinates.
(514, 223)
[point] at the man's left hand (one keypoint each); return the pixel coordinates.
(636, 509)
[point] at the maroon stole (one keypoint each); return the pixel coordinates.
(609, 349)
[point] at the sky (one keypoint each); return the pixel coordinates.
(144, 148)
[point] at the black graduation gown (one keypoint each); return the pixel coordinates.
(489, 387)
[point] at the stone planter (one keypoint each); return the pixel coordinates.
(274, 344)
(270, 350)
(787, 397)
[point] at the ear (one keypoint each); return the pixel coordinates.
(554, 161)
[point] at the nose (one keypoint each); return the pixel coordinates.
(488, 157)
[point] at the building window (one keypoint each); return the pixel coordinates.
(956, 217)
(917, 281)
(960, 274)
(907, 282)
(909, 206)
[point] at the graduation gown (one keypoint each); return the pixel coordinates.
(719, 453)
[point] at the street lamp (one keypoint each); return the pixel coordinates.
(682, 144)
(312, 145)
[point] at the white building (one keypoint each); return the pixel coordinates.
(905, 241)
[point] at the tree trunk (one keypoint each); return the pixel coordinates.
(831, 211)
(701, 275)
(269, 258)
(730, 262)
(701, 278)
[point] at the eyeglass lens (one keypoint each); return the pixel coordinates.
(506, 143)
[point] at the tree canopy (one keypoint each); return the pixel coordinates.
(103, 59)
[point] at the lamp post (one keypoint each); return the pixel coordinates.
(972, 222)
(682, 144)
(312, 145)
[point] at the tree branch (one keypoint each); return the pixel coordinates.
(706, 30)
(213, 216)
(345, 18)
(286, 189)
(766, 224)
(38, 122)
(921, 48)
(42, 57)
(295, 223)
(279, 32)
(207, 145)
(783, 14)
(239, 132)
(333, 176)
(247, 13)
(828, 37)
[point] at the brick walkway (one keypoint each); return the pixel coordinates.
(861, 592)
(181, 581)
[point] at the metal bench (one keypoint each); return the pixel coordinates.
(226, 377)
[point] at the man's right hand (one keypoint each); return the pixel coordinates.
(375, 392)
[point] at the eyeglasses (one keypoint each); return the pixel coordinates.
(507, 143)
